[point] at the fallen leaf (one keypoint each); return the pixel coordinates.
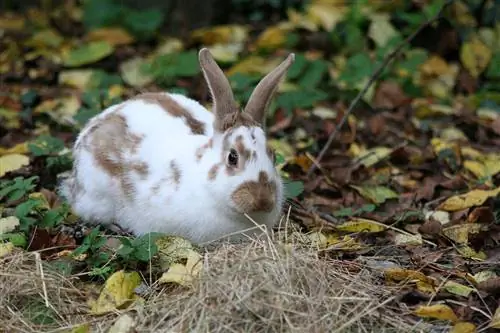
(226, 52)
(87, 54)
(460, 233)
(221, 34)
(491, 286)
(12, 162)
(405, 239)
(436, 311)
(61, 109)
(184, 274)
(173, 249)
(376, 194)
(20, 148)
(124, 324)
(468, 252)
(133, 74)
(406, 275)
(8, 224)
(273, 37)
(463, 327)
(484, 275)
(457, 288)
(361, 225)
(495, 320)
(6, 249)
(118, 292)
(381, 30)
(389, 95)
(372, 156)
(78, 78)
(467, 200)
(327, 14)
(475, 56)
(114, 36)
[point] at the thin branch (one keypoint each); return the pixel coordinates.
(374, 77)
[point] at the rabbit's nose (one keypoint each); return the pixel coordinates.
(256, 196)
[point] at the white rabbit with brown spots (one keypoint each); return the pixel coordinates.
(161, 162)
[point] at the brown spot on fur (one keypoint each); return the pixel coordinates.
(234, 119)
(212, 173)
(201, 150)
(176, 173)
(256, 196)
(111, 143)
(168, 104)
(242, 150)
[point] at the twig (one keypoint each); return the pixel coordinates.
(42, 276)
(372, 80)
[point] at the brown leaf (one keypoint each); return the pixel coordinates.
(389, 95)
(377, 124)
(431, 227)
(491, 286)
(481, 215)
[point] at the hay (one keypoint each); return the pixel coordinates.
(259, 286)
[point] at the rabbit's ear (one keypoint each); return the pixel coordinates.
(222, 94)
(262, 95)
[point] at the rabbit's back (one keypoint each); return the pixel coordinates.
(125, 153)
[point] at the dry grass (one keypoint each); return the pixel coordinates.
(259, 286)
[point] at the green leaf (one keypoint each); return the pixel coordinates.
(297, 67)
(17, 188)
(145, 246)
(45, 145)
(101, 13)
(314, 73)
(16, 238)
(293, 189)
(88, 54)
(358, 67)
(493, 70)
(344, 212)
(290, 100)
(143, 23)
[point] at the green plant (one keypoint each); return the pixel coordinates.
(17, 188)
(141, 248)
(168, 67)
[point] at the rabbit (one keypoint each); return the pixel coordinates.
(161, 162)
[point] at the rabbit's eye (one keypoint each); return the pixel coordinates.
(232, 158)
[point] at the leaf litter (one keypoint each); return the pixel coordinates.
(398, 229)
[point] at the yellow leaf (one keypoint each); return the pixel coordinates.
(467, 200)
(12, 22)
(226, 52)
(11, 162)
(475, 56)
(301, 21)
(495, 320)
(118, 292)
(436, 311)
(457, 288)
(486, 166)
(254, 65)
(172, 250)
(60, 109)
(468, 252)
(373, 156)
(168, 46)
(6, 248)
(20, 148)
(184, 274)
(272, 37)
(326, 14)
(463, 327)
(425, 287)
(400, 274)
(44, 203)
(434, 66)
(361, 225)
(132, 73)
(78, 78)
(459, 233)
(8, 224)
(221, 34)
(381, 29)
(453, 134)
(376, 194)
(484, 275)
(404, 239)
(114, 36)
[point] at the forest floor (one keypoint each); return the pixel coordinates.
(395, 228)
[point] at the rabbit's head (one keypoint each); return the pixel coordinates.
(244, 174)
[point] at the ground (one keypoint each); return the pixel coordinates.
(386, 131)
